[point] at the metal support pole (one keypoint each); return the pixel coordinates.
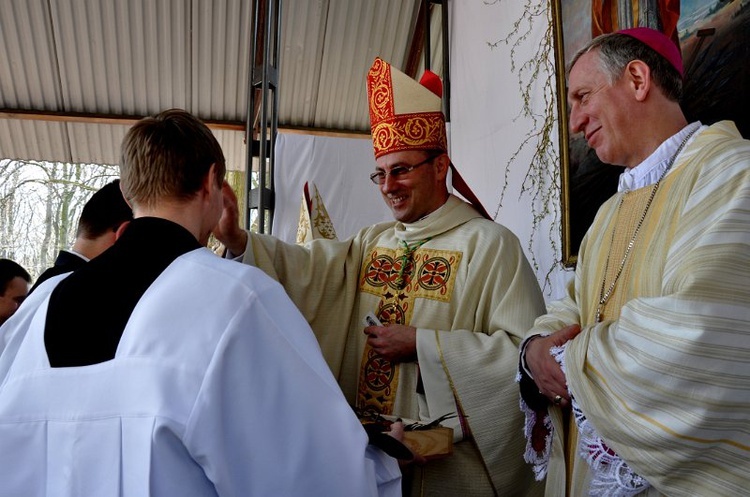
(446, 64)
(426, 7)
(263, 85)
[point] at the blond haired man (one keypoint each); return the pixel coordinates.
(159, 369)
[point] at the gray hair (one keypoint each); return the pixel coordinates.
(617, 50)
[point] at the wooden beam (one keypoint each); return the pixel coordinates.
(336, 133)
(122, 120)
(89, 118)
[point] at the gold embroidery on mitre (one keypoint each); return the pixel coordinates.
(391, 131)
(410, 131)
(431, 274)
(380, 91)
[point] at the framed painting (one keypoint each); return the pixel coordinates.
(714, 39)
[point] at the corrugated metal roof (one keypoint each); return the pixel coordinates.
(64, 61)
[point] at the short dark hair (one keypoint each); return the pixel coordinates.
(617, 50)
(168, 155)
(105, 211)
(8, 271)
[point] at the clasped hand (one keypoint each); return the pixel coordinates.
(547, 373)
(395, 342)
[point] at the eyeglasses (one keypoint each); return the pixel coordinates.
(378, 177)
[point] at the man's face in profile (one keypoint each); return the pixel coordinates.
(14, 294)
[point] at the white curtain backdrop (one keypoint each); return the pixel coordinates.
(339, 167)
(486, 129)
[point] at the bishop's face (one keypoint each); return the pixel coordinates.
(417, 186)
(600, 111)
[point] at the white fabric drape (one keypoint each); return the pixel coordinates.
(339, 167)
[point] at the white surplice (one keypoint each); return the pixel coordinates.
(218, 388)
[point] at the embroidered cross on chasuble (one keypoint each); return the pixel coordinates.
(399, 277)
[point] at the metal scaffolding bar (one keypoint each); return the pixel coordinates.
(263, 111)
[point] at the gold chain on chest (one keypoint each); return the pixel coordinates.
(604, 295)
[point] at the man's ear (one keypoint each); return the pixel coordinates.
(121, 229)
(125, 198)
(638, 76)
(209, 180)
(442, 164)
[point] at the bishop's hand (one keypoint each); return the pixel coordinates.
(395, 342)
(547, 373)
(228, 230)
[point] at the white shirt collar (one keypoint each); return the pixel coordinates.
(78, 254)
(650, 170)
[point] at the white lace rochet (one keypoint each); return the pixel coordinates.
(612, 477)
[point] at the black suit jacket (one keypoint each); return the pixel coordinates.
(65, 262)
(89, 309)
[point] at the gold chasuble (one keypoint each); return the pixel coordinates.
(399, 277)
(663, 379)
(465, 284)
